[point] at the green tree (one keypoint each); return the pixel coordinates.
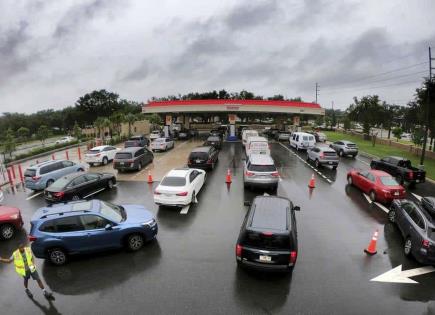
(367, 111)
(42, 133)
(77, 131)
(23, 133)
(98, 103)
(346, 123)
(130, 119)
(417, 136)
(9, 144)
(107, 124)
(397, 132)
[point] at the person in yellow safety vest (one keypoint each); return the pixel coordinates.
(25, 267)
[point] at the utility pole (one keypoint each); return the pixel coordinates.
(317, 91)
(428, 108)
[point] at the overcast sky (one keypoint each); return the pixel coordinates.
(52, 52)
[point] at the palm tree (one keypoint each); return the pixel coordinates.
(130, 119)
(107, 124)
(116, 119)
(99, 124)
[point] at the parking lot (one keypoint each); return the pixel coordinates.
(191, 267)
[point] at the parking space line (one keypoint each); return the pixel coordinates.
(364, 162)
(185, 209)
(95, 192)
(416, 196)
(385, 209)
(34, 195)
(367, 198)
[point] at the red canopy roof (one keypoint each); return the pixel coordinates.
(232, 102)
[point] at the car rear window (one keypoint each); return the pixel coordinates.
(351, 145)
(262, 168)
(160, 140)
(131, 143)
(329, 153)
(388, 181)
(60, 183)
(274, 241)
(198, 155)
(173, 181)
(123, 155)
(30, 172)
(94, 151)
(213, 139)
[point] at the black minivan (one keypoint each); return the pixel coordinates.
(133, 158)
(204, 157)
(268, 237)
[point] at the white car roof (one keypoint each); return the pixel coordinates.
(261, 159)
(253, 139)
(101, 147)
(178, 173)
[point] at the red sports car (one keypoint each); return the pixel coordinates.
(10, 221)
(379, 185)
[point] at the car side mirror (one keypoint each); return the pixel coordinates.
(247, 203)
(296, 208)
(108, 227)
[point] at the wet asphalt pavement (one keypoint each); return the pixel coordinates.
(191, 266)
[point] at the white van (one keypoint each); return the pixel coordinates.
(257, 145)
(302, 140)
(248, 133)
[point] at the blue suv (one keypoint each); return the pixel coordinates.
(83, 227)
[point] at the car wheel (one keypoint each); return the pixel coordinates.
(75, 198)
(110, 184)
(341, 153)
(350, 180)
(57, 256)
(80, 170)
(372, 195)
(105, 160)
(7, 231)
(392, 216)
(139, 166)
(135, 242)
(407, 247)
(353, 156)
(317, 163)
(334, 167)
(91, 164)
(193, 198)
(49, 182)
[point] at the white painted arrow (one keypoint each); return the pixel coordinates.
(397, 275)
(417, 196)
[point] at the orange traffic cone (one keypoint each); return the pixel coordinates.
(371, 249)
(228, 179)
(150, 178)
(312, 182)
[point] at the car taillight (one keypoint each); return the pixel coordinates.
(248, 173)
(425, 243)
(268, 234)
(31, 238)
(410, 175)
(275, 174)
(209, 161)
(59, 194)
(239, 249)
(183, 194)
(157, 192)
(293, 257)
(36, 177)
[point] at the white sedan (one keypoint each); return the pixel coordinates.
(100, 155)
(179, 187)
(66, 139)
(162, 144)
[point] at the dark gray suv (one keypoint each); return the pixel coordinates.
(133, 158)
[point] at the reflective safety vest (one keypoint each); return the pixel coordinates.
(19, 261)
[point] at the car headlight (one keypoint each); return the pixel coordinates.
(151, 223)
(14, 216)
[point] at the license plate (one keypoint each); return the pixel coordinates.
(121, 163)
(417, 181)
(396, 193)
(329, 162)
(198, 161)
(265, 258)
(168, 195)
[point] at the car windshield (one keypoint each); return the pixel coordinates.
(60, 183)
(173, 181)
(112, 212)
(388, 181)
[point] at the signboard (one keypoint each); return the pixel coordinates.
(296, 120)
(232, 119)
(168, 120)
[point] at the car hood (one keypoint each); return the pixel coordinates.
(137, 214)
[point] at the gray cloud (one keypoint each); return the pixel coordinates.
(248, 14)
(139, 73)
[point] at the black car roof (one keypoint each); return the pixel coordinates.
(270, 213)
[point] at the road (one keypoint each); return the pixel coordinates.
(191, 267)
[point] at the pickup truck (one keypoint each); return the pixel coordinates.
(401, 169)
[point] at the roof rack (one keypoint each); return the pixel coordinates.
(60, 213)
